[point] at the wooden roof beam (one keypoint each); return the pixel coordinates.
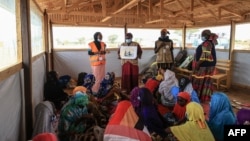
(128, 5)
(165, 3)
(208, 7)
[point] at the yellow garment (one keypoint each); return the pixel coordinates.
(196, 128)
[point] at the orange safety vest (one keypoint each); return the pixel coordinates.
(97, 59)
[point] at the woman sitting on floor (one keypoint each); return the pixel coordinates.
(78, 118)
(220, 114)
(125, 124)
(146, 108)
(167, 98)
(194, 129)
(185, 85)
(177, 116)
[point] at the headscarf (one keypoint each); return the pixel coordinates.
(170, 80)
(52, 76)
(45, 137)
(134, 97)
(126, 125)
(129, 35)
(147, 110)
(79, 88)
(183, 83)
(243, 116)
(221, 113)
(195, 128)
(71, 117)
(106, 85)
(89, 81)
(97, 43)
(179, 111)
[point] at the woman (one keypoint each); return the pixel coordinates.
(221, 113)
(195, 128)
(53, 90)
(77, 117)
(97, 57)
(130, 69)
(125, 124)
(146, 108)
(178, 115)
(186, 86)
(88, 82)
(205, 61)
(164, 50)
(167, 98)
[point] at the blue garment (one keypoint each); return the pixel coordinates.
(175, 91)
(221, 113)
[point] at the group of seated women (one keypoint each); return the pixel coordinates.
(112, 114)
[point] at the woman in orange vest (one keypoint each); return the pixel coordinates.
(97, 51)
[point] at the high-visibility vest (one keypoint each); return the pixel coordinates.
(97, 59)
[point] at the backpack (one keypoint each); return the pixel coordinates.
(180, 57)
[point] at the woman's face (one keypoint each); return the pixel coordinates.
(181, 101)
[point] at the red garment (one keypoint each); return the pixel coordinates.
(124, 124)
(152, 84)
(45, 137)
(130, 76)
(178, 110)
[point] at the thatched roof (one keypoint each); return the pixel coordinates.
(145, 13)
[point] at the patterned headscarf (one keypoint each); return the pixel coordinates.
(134, 97)
(89, 81)
(79, 98)
(106, 84)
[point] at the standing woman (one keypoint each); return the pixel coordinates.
(130, 69)
(164, 51)
(205, 61)
(97, 51)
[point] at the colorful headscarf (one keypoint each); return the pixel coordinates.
(71, 117)
(146, 109)
(79, 88)
(106, 84)
(126, 125)
(179, 111)
(243, 116)
(134, 97)
(221, 113)
(45, 137)
(89, 81)
(195, 128)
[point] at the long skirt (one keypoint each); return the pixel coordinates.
(203, 83)
(99, 73)
(130, 76)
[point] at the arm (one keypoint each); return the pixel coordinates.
(214, 55)
(139, 51)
